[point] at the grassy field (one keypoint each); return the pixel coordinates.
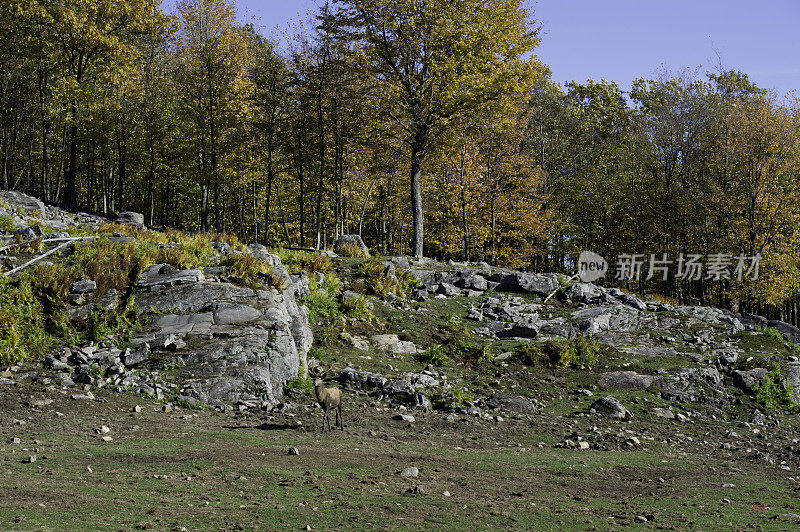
(202, 470)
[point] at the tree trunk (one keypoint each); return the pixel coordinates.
(416, 201)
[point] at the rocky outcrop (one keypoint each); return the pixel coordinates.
(242, 344)
(350, 240)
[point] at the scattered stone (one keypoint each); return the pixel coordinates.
(88, 396)
(610, 407)
(107, 439)
(31, 459)
(408, 418)
(83, 287)
(510, 403)
(137, 357)
(409, 472)
(664, 412)
(625, 380)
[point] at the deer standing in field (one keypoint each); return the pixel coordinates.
(329, 398)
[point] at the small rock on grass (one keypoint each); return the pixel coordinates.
(409, 472)
(405, 417)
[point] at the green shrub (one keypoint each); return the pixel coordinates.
(370, 269)
(775, 393)
(301, 260)
(251, 270)
(22, 323)
(529, 354)
(581, 351)
(299, 386)
(462, 396)
(7, 224)
(773, 334)
(321, 306)
(435, 356)
(350, 250)
(358, 308)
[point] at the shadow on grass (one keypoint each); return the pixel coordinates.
(264, 426)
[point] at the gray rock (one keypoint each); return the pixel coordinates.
(628, 299)
(610, 407)
(792, 374)
(362, 380)
(136, 357)
(539, 284)
(162, 276)
(391, 343)
(625, 380)
(356, 341)
(20, 202)
(618, 318)
(181, 324)
(409, 472)
(353, 240)
(583, 292)
(747, 379)
(526, 327)
(710, 376)
(448, 290)
(664, 412)
(236, 314)
(131, 218)
(510, 403)
(26, 233)
(471, 281)
(57, 235)
(83, 287)
(262, 253)
(405, 417)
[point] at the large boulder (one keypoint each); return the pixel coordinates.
(243, 344)
(531, 283)
(597, 320)
(747, 379)
(261, 252)
(350, 240)
(510, 403)
(131, 218)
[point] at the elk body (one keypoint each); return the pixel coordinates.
(329, 399)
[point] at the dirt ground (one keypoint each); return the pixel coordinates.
(201, 469)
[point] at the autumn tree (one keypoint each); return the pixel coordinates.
(437, 62)
(212, 74)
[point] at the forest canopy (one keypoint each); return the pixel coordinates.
(387, 113)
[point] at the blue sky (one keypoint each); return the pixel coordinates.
(621, 40)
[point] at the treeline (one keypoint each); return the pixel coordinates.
(424, 127)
